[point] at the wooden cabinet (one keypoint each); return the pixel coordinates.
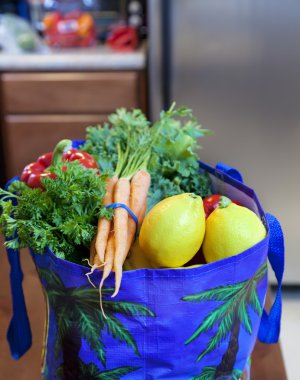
(28, 136)
(39, 109)
(69, 92)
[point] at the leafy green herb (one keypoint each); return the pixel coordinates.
(167, 149)
(101, 143)
(123, 148)
(174, 165)
(63, 217)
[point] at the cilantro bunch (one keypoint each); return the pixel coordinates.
(63, 217)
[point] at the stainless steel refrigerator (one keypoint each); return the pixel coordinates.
(236, 63)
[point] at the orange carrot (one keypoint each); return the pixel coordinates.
(103, 223)
(109, 261)
(140, 184)
(142, 214)
(132, 228)
(138, 198)
(94, 262)
(121, 195)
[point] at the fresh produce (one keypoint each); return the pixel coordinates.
(173, 230)
(84, 158)
(132, 187)
(137, 200)
(122, 194)
(211, 202)
(131, 151)
(230, 230)
(71, 29)
(63, 215)
(140, 184)
(104, 224)
(123, 38)
(173, 162)
(132, 163)
(140, 164)
(137, 260)
(33, 172)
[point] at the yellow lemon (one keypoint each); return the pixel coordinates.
(231, 229)
(173, 230)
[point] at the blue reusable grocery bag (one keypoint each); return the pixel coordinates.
(195, 323)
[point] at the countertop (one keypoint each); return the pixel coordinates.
(95, 58)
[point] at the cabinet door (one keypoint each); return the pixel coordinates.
(27, 137)
(73, 93)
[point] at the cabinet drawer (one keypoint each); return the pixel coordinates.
(29, 93)
(27, 137)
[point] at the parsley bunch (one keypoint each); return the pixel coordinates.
(63, 217)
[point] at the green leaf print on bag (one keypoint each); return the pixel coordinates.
(209, 373)
(230, 315)
(78, 315)
(91, 372)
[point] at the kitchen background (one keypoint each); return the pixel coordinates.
(236, 63)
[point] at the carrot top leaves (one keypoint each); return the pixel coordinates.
(168, 150)
(115, 143)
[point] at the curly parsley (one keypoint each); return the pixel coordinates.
(63, 217)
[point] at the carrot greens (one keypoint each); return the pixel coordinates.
(168, 149)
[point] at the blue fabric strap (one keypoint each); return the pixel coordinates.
(269, 329)
(19, 332)
(232, 172)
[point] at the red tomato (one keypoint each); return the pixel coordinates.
(212, 202)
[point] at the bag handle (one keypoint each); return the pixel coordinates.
(19, 332)
(19, 335)
(232, 172)
(269, 329)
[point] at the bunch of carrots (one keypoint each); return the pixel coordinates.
(115, 237)
(128, 185)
